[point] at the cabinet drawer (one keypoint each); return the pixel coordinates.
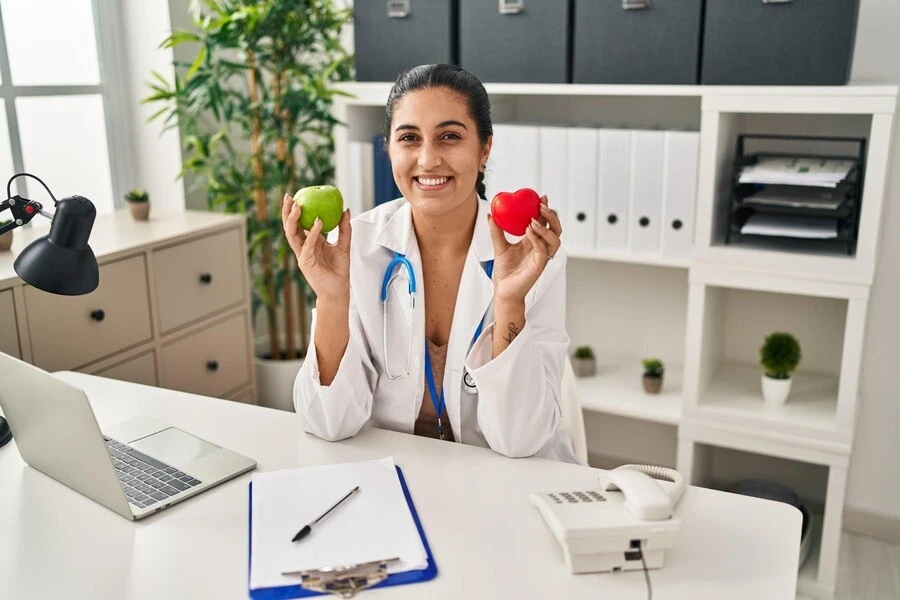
(211, 362)
(70, 331)
(140, 369)
(197, 278)
(9, 329)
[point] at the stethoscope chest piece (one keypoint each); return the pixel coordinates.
(469, 382)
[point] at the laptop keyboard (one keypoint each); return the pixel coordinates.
(145, 480)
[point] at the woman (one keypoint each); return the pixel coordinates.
(480, 361)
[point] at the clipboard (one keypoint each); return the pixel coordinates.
(346, 581)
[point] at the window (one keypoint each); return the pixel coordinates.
(57, 104)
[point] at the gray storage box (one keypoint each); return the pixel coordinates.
(391, 36)
(779, 42)
(637, 41)
(517, 41)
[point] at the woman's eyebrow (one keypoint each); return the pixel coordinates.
(439, 125)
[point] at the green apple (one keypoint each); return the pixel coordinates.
(323, 201)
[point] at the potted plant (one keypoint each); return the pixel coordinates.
(584, 364)
(653, 375)
(779, 356)
(254, 109)
(139, 203)
(6, 238)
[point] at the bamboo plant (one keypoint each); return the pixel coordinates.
(253, 107)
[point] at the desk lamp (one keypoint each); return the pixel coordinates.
(60, 262)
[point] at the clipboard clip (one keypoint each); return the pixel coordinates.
(344, 581)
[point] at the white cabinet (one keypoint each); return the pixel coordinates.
(673, 289)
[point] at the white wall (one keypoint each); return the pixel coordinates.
(874, 480)
(156, 155)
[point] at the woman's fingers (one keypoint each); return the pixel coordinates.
(312, 238)
(549, 237)
(290, 215)
(344, 232)
(500, 241)
(538, 243)
(551, 217)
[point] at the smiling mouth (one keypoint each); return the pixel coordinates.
(431, 183)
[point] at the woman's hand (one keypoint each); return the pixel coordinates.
(518, 266)
(325, 266)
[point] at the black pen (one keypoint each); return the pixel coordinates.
(306, 530)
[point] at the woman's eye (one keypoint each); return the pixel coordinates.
(407, 137)
(452, 136)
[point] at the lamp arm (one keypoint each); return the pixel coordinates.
(23, 210)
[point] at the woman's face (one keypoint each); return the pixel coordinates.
(435, 151)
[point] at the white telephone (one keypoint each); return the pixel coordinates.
(629, 522)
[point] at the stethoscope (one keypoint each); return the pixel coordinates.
(406, 271)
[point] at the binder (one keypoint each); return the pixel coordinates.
(385, 187)
(679, 193)
(552, 168)
(581, 183)
(523, 158)
(497, 175)
(351, 577)
(647, 152)
(362, 191)
(614, 189)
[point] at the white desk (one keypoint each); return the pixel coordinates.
(488, 541)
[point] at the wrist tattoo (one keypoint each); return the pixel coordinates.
(511, 332)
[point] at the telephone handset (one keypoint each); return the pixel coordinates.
(628, 519)
(644, 498)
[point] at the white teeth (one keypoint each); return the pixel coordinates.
(437, 181)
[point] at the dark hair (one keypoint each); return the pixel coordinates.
(453, 78)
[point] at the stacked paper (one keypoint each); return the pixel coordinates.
(817, 172)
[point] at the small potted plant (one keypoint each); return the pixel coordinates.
(779, 356)
(653, 375)
(139, 203)
(584, 364)
(6, 238)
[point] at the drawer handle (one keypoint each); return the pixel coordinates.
(677, 224)
(638, 4)
(644, 221)
(398, 9)
(511, 7)
(206, 278)
(580, 217)
(98, 315)
(612, 219)
(212, 365)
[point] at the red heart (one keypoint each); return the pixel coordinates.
(513, 211)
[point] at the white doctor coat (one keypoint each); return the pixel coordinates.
(516, 409)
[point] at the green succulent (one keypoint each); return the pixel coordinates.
(653, 367)
(584, 352)
(779, 354)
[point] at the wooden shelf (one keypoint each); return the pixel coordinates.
(616, 389)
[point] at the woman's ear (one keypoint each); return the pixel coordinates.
(486, 152)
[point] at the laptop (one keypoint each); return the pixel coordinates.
(135, 469)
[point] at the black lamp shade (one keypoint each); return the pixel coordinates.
(62, 262)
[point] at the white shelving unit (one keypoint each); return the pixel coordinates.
(706, 315)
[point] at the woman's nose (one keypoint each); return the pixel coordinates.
(429, 157)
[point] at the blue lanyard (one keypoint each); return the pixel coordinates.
(438, 401)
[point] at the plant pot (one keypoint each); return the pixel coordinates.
(584, 367)
(275, 379)
(652, 385)
(775, 391)
(140, 211)
(6, 241)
